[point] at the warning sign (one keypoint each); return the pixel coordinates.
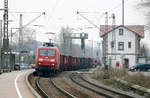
(117, 64)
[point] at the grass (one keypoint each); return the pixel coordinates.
(112, 73)
(117, 73)
(98, 75)
(138, 79)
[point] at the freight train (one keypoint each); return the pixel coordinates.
(49, 60)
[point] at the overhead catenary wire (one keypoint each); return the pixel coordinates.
(14, 17)
(18, 12)
(102, 14)
(88, 20)
(100, 18)
(95, 25)
(95, 12)
(30, 22)
(51, 12)
(117, 6)
(21, 12)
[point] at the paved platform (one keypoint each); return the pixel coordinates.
(14, 85)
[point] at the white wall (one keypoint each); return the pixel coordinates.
(132, 60)
(127, 36)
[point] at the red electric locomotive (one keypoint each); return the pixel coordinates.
(47, 59)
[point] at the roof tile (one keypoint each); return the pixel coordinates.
(139, 29)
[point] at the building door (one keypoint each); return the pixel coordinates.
(126, 63)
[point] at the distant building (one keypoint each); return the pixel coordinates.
(121, 44)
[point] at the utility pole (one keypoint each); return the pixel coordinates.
(11, 38)
(92, 48)
(20, 38)
(70, 40)
(20, 33)
(123, 12)
(98, 49)
(31, 22)
(1, 34)
(0, 43)
(105, 48)
(113, 34)
(106, 21)
(5, 51)
(113, 41)
(91, 53)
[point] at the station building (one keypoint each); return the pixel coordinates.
(121, 44)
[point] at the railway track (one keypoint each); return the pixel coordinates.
(48, 89)
(79, 80)
(40, 90)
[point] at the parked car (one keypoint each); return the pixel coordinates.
(16, 67)
(140, 67)
(24, 66)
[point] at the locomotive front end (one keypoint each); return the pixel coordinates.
(47, 60)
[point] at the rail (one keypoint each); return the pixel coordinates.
(61, 90)
(96, 91)
(51, 81)
(42, 92)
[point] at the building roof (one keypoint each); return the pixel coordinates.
(138, 29)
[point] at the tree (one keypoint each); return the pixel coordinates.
(144, 50)
(29, 40)
(145, 5)
(61, 40)
(76, 47)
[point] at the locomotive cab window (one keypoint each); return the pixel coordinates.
(51, 52)
(43, 53)
(47, 53)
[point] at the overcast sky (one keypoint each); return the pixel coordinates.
(63, 12)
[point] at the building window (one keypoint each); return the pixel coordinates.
(129, 44)
(120, 45)
(120, 31)
(112, 44)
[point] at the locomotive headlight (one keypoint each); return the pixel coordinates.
(52, 60)
(52, 64)
(40, 59)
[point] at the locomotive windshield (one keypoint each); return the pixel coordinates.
(43, 53)
(51, 52)
(47, 53)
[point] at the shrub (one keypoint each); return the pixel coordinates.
(138, 79)
(117, 73)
